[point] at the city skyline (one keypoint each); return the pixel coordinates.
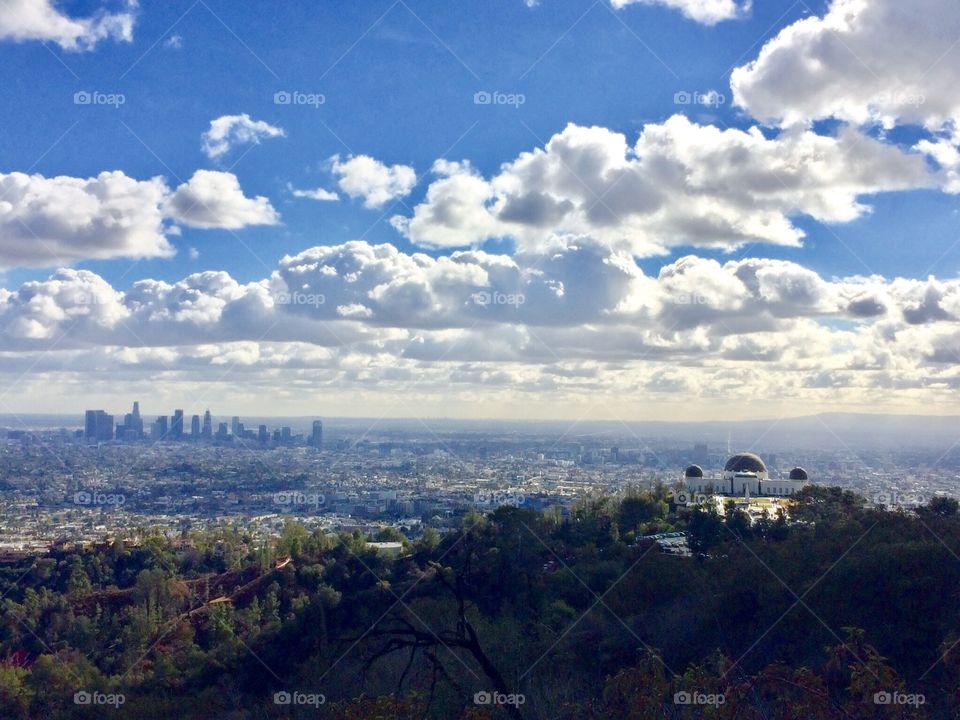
(101, 426)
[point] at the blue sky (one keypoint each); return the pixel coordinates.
(712, 260)
(398, 81)
(401, 92)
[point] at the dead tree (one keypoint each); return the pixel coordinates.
(402, 636)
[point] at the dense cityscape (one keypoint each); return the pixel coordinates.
(105, 480)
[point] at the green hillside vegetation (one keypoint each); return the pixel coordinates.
(815, 617)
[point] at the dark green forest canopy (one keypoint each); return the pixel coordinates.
(838, 611)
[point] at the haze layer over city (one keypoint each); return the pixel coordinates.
(522, 358)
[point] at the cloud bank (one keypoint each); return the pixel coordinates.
(578, 319)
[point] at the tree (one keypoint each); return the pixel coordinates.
(271, 607)
(428, 542)
(816, 503)
(738, 522)
(942, 506)
(640, 508)
(293, 539)
(391, 534)
(79, 582)
(403, 635)
(15, 693)
(704, 529)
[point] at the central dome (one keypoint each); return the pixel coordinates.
(745, 462)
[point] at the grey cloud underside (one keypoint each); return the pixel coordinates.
(882, 61)
(56, 221)
(680, 184)
(578, 302)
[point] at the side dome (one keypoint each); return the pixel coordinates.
(694, 471)
(745, 462)
(798, 473)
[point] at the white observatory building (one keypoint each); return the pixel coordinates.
(744, 475)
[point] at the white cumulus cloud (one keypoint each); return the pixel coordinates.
(227, 131)
(319, 194)
(707, 12)
(41, 20)
(365, 177)
(55, 221)
(877, 61)
(213, 199)
(680, 184)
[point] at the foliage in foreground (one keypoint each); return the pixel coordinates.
(843, 612)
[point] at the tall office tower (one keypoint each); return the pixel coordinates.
(195, 427)
(104, 427)
(276, 436)
(207, 425)
(262, 435)
(98, 426)
(176, 425)
(160, 428)
(132, 427)
(125, 431)
(285, 435)
(235, 425)
(222, 431)
(135, 426)
(316, 439)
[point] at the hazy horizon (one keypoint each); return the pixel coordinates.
(842, 431)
